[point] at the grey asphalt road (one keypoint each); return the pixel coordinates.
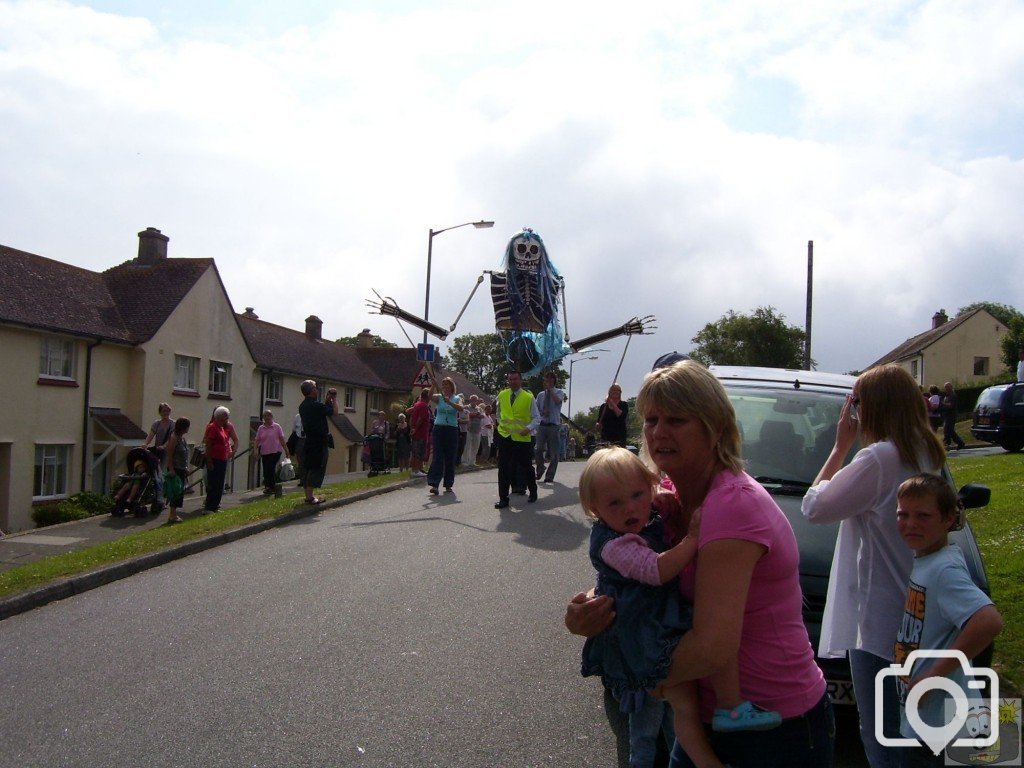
(405, 630)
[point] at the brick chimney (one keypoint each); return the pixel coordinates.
(939, 318)
(314, 328)
(152, 246)
(365, 339)
(250, 313)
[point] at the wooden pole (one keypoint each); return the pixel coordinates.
(810, 303)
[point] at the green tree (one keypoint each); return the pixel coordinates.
(762, 338)
(1001, 312)
(481, 358)
(353, 341)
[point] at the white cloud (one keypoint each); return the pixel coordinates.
(676, 160)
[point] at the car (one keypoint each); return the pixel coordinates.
(999, 416)
(787, 420)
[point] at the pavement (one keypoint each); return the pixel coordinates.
(26, 547)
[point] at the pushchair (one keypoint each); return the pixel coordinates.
(136, 491)
(375, 447)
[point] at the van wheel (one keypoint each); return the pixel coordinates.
(1013, 447)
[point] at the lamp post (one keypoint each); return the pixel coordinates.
(430, 249)
(571, 364)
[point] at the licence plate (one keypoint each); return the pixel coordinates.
(841, 692)
(983, 421)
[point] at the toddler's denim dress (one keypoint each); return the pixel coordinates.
(635, 652)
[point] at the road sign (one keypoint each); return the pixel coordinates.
(425, 352)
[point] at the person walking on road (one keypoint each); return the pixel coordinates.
(549, 404)
(517, 418)
(318, 436)
(949, 413)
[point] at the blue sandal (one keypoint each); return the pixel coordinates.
(746, 717)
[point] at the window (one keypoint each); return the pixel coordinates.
(51, 475)
(374, 405)
(275, 387)
(57, 358)
(915, 370)
(981, 366)
(350, 397)
(220, 378)
(185, 372)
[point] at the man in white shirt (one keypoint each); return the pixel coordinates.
(549, 404)
(1020, 366)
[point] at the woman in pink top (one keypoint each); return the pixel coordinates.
(270, 443)
(745, 586)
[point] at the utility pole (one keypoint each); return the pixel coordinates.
(810, 295)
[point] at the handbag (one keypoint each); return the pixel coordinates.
(285, 471)
(198, 457)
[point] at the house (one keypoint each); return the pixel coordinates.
(964, 350)
(88, 357)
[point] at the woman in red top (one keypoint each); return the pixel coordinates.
(218, 448)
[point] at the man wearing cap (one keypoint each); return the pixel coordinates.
(549, 405)
(517, 418)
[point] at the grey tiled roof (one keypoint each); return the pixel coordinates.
(917, 344)
(42, 293)
(277, 348)
(126, 304)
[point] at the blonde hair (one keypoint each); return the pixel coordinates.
(619, 464)
(689, 389)
(891, 408)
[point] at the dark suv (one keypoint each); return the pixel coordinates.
(999, 416)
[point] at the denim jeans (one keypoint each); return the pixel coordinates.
(645, 727)
(863, 668)
(445, 448)
(800, 742)
(547, 440)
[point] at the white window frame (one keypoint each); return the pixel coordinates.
(980, 366)
(350, 397)
(275, 387)
(57, 353)
(220, 378)
(54, 460)
(185, 371)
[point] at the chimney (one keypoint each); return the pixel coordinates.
(250, 314)
(314, 327)
(152, 246)
(939, 318)
(365, 339)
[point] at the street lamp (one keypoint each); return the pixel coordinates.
(571, 364)
(430, 249)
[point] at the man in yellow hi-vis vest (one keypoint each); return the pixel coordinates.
(517, 419)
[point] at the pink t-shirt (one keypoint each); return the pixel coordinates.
(776, 661)
(270, 439)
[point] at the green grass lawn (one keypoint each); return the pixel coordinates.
(999, 528)
(82, 561)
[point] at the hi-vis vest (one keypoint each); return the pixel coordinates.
(509, 426)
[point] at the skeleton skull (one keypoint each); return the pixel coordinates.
(526, 253)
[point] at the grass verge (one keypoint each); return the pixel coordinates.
(999, 528)
(82, 561)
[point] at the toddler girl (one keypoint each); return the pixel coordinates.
(636, 567)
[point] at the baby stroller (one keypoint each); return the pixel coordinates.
(376, 448)
(137, 487)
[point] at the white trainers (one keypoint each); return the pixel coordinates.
(417, 474)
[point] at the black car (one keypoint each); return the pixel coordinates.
(999, 416)
(787, 419)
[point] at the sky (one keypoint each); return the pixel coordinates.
(676, 157)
